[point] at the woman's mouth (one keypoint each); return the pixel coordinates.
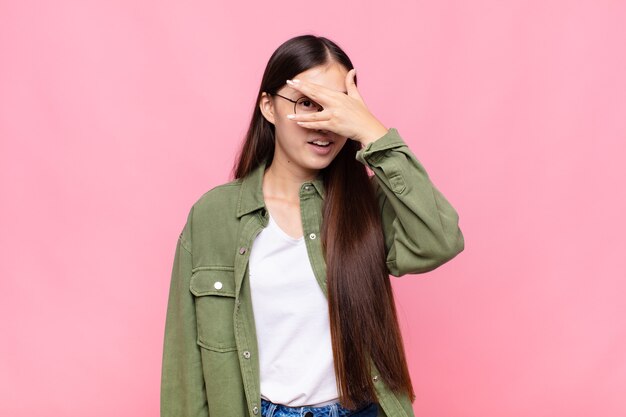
(321, 147)
(321, 142)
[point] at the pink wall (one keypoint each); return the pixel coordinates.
(115, 116)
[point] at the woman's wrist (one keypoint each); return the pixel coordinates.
(373, 134)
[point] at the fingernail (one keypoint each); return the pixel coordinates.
(291, 116)
(296, 81)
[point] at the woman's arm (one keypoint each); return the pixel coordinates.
(420, 226)
(182, 381)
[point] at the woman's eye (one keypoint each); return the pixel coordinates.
(305, 104)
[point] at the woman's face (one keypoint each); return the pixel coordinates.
(293, 148)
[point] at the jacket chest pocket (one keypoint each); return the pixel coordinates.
(214, 291)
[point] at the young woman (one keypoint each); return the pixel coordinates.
(280, 301)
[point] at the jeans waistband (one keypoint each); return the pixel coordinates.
(270, 409)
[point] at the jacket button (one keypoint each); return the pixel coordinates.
(242, 250)
(255, 410)
(246, 354)
(217, 285)
(312, 235)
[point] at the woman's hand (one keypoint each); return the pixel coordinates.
(343, 114)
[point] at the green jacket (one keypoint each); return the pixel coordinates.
(210, 356)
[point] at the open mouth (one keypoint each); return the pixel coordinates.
(321, 143)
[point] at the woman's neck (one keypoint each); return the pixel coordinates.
(284, 182)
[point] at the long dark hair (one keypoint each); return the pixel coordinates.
(363, 319)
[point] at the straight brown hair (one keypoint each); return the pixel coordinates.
(363, 319)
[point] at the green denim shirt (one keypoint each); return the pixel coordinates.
(210, 354)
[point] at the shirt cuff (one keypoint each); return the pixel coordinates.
(371, 152)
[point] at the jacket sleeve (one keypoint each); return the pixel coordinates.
(420, 226)
(182, 381)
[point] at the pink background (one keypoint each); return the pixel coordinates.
(115, 116)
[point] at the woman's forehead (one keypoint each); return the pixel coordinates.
(330, 76)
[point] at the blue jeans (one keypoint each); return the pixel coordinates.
(270, 409)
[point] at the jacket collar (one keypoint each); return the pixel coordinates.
(251, 191)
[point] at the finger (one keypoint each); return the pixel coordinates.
(351, 85)
(310, 117)
(324, 125)
(315, 92)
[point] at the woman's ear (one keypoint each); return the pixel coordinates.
(267, 107)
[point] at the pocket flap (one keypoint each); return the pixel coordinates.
(213, 282)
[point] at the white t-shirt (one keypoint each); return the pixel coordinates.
(292, 322)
